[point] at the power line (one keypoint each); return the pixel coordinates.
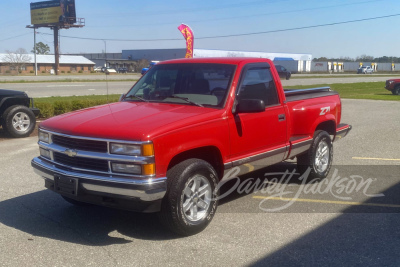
(241, 16)
(231, 35)
(14, 37)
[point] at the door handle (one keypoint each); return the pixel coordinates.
(281, 117)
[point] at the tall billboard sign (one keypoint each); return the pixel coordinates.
(58, 12)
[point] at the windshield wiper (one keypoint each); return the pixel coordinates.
(135, 96)
(185, 99)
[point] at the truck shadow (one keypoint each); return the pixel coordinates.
(278, 171)
(352, 238)
(46, 214)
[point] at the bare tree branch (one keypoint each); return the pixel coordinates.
(17, 59)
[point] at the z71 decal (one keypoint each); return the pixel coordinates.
(325, 110)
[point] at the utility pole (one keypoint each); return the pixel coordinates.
(56, 51)
(34, 48)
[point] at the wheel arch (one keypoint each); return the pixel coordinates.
(7, 102)
(327, 126)
(210, 154)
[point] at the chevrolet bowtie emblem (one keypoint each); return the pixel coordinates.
(71, 152)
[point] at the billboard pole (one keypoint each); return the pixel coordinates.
(56, 15)
(56, 51)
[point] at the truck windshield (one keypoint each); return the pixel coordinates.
(190, 84)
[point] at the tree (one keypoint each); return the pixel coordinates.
(17, 59)
(41, 49)
(365, 58)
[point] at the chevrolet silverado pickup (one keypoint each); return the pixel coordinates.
(170, 139)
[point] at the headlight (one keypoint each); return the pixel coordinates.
(45, 153)
(132, 150)
(126, 168)
(390, 82)
(123, 149)
(44, 137)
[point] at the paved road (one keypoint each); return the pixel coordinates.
(46, 89)
(37, 90)
(99, 77)
(38, 228)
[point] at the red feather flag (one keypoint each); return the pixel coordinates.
(188, 35)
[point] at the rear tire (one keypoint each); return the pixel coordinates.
(19, 121)
(318, 158)
(191, 199)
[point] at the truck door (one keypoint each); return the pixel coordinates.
(258, 138)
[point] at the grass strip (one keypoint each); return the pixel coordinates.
(53, 106)
(397, 75)
(370, 90)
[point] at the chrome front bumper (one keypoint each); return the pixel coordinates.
(148, 190)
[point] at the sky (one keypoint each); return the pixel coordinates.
(276, 23)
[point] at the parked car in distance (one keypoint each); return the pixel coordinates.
(108, 70)
(97, 69)
(393, 85)
(283, 72)
(365, 70)
(17, 113)
(152, 63)
(122, 70)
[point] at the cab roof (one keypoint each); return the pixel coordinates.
(218, 60)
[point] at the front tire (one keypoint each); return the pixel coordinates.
(318, 158)
(396, 90)
(19, 121)
(191, 199)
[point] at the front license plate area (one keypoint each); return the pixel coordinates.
(65, 185)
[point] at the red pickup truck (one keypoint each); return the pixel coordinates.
(393, 85)
(169, 141)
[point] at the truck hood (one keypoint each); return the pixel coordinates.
(137, 121)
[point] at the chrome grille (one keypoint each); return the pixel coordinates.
(80, 144)
(81, 163)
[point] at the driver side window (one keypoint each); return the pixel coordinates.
(259, 84)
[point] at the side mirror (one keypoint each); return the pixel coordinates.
(250, 106)
(121, 97)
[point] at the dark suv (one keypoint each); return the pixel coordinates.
(283, 72)
(17, 113)
(122, 70)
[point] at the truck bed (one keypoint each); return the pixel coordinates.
(301, 94)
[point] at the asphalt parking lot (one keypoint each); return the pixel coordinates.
(353, 220)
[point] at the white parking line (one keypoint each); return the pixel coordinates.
(67, 85)
(375, 158)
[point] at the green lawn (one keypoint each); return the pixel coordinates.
(389, 75)
(371, 90)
